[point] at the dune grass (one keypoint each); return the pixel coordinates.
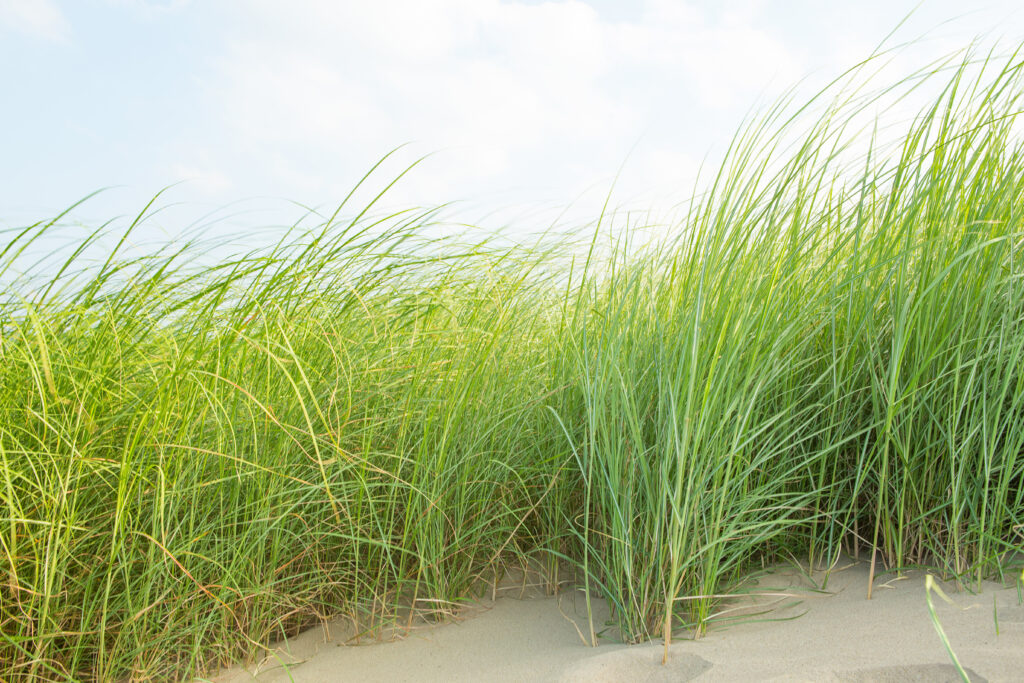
(825, 354)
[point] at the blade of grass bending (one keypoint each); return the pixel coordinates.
(931, 586)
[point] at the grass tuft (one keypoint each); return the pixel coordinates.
(826, 353)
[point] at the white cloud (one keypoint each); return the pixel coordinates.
(550, 96)
(205, 179)
(527, 102)
(39, 18)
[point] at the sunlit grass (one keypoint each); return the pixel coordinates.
(197, 459)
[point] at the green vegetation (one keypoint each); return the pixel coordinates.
(826, 354)
(930, 586)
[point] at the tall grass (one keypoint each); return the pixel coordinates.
(198, 458)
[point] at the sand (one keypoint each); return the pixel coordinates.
(803, 634)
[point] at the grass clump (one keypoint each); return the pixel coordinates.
(826, 353)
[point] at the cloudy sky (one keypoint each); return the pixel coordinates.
(523, 103)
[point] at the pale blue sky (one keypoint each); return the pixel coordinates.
(525, 103)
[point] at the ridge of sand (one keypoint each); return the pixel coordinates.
(807, 634)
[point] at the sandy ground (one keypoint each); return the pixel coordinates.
(802, 634)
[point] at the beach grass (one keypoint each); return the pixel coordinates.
(825, 354)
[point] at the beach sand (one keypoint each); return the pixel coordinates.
(804, 632)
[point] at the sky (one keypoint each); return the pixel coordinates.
(248, 107)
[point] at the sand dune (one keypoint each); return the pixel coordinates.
(806, 634)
